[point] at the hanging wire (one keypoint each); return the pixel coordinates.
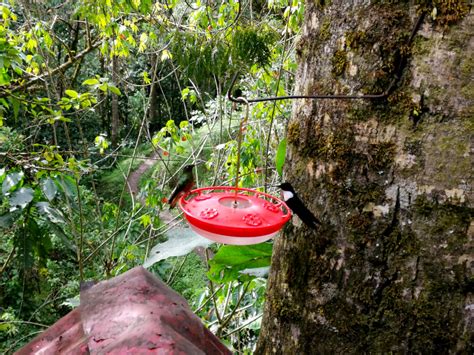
(243, 122)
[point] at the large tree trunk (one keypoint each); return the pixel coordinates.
(391, 269)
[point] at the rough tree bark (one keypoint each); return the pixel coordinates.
(391, 270)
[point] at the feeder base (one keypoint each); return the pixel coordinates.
(225, 239)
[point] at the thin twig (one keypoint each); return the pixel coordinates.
(229, 318)
(243, 325)
(10, 256)
(211, 287)
(209, 299)
(172, 277)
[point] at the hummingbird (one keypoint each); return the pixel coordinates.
(184, 185)
(237, 93)
(297, 206)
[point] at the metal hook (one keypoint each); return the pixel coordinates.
(382, 95)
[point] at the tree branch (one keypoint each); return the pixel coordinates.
(62, 67)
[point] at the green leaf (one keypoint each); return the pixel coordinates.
(102, 143)
(16, 106)
(91, 82)
(180, 149)
(49, 188)
(11, 181)
(114, 90)
(4, 103)
(22, 197)
(280, 156)
(63, 236)
(4, 78)
(145, 220)
(67, 184)
(31, 44)
(185, 93)
(72, 93)
(146, 78)
(51, 213)
(166, 54)
(6, 220)
(32, 240)
(143, 41)
(230, 260)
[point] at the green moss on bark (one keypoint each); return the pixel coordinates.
(324, 33)
(339, 62)
(395, 281)
(446, 222)
(293, 132)
(448, 13)
(354, 39)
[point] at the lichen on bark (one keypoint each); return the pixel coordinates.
(392, 267)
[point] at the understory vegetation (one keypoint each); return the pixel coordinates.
(102, 103)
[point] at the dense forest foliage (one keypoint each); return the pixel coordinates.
(92, 93)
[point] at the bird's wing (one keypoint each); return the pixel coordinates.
(174, 196)
(181, 188)
(302, 212)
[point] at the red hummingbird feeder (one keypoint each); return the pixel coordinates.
(234, 215)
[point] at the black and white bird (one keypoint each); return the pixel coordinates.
(297, 206)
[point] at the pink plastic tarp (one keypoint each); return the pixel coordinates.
(134, 313)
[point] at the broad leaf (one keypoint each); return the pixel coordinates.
(11, 181)
(49, 188)
(51, 213)
(67, 184)
(58, 231)
(280, 157)
(22, 197)
(181, 241)
(91, 82)
(230, 260)
(72, 93)
(114, 90)
(7, 219)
